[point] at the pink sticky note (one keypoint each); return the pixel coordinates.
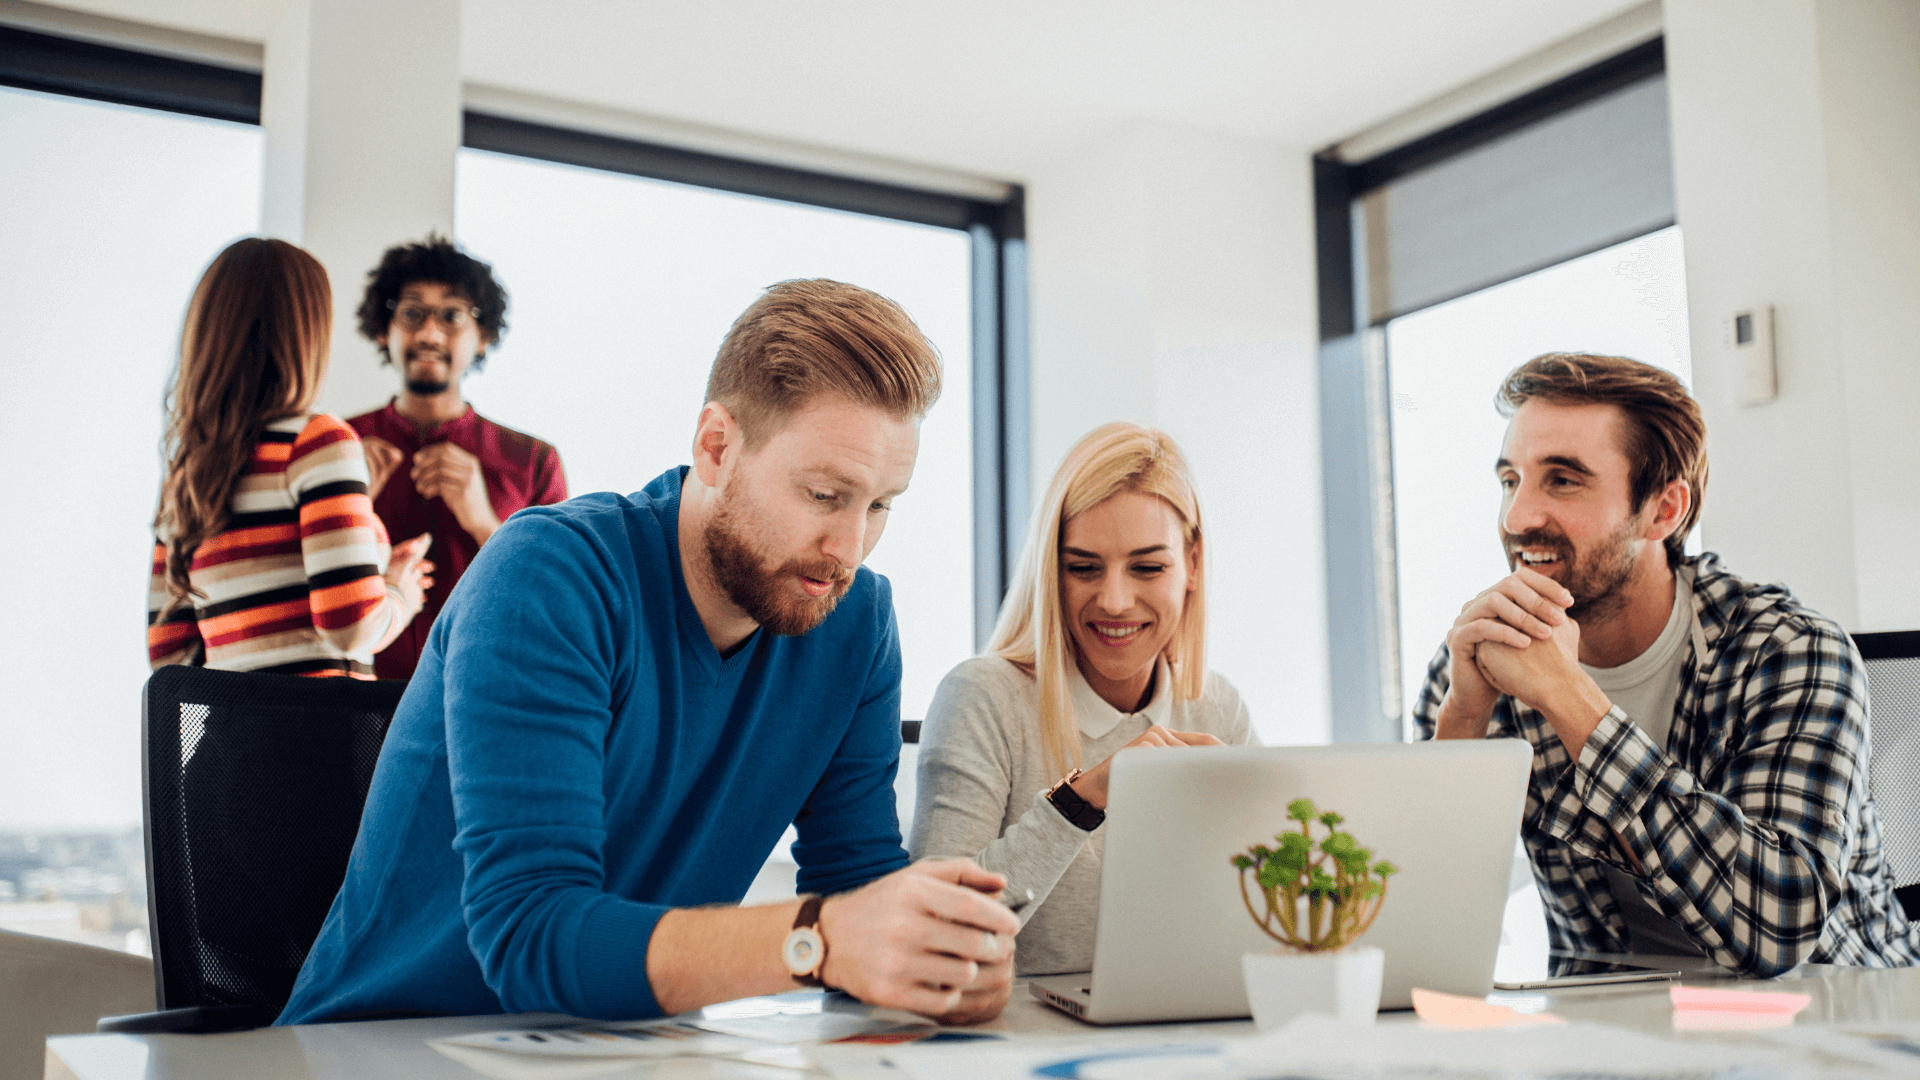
(1738, 1001)
(1456, 1012)
(1722, 1020)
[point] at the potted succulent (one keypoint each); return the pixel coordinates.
(1315, 900)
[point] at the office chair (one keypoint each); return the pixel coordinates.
(1893, 686)
(254, 787)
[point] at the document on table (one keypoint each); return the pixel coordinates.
(765, 1030)
(1321, 1048)
(650, 1039)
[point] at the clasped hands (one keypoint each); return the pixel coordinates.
(440, 471)
(1517, 639)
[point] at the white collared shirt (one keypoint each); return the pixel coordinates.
(1095, 717)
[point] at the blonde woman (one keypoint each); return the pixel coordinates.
(1101, 646)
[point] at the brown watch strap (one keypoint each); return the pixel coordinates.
(809, 916)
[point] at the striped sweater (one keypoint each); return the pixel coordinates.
(294, 584)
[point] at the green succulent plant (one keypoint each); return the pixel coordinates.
(1340, 884)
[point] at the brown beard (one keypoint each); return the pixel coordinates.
(1597, 578)
(766, 595)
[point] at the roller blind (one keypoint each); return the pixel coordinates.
(1581, 180)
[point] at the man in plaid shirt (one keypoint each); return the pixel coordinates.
(1700, 742)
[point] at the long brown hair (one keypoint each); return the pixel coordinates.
(253, 350)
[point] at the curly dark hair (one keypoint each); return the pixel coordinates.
(434, 259)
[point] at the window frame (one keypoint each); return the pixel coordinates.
(51, 64)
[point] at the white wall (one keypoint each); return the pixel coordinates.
(1796, 128)
(1870, 64)
(1173, 284)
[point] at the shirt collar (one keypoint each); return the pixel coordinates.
(1095, 717)
(459, 425)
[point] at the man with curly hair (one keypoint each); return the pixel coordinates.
(437, 466)
(1700, 740)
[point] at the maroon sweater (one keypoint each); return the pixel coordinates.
(521, 471)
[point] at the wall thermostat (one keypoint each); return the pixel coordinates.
(1749, 341)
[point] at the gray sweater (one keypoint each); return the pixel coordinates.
(984, 778)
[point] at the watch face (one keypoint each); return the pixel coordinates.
(802, 951)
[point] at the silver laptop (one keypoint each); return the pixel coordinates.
(1172, 924)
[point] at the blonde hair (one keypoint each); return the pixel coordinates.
(1031, 632)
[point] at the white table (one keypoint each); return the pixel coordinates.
(398, 1048)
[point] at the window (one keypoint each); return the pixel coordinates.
(108, 215)
(623, 285)
(622, 288)
(1415, 243)
(1544, 224)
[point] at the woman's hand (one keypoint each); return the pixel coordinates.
(409, 572)
(1092, 784)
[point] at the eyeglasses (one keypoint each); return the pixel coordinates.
(413, 316)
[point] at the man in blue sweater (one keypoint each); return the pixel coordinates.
(628, 699)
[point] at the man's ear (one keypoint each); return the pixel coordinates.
(716, 443)
(1670, 506)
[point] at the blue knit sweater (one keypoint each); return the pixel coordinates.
(573, 758)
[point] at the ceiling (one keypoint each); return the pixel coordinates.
(996, 88)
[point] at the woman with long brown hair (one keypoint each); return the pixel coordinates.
(267, 554)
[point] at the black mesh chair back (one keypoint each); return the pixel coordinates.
(1893, 686)
(254, 788)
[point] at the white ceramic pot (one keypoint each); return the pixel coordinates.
(1283, 984)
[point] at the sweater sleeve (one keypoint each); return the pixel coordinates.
(342, 543)
(1753, 865)
(849, 829)
(550, 486)
(176, 638)
(966, 770)
(530, 677)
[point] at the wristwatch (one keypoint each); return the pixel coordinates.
(1074, 808)
(805, 951)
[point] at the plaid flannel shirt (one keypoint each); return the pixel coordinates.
(1753, 823)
